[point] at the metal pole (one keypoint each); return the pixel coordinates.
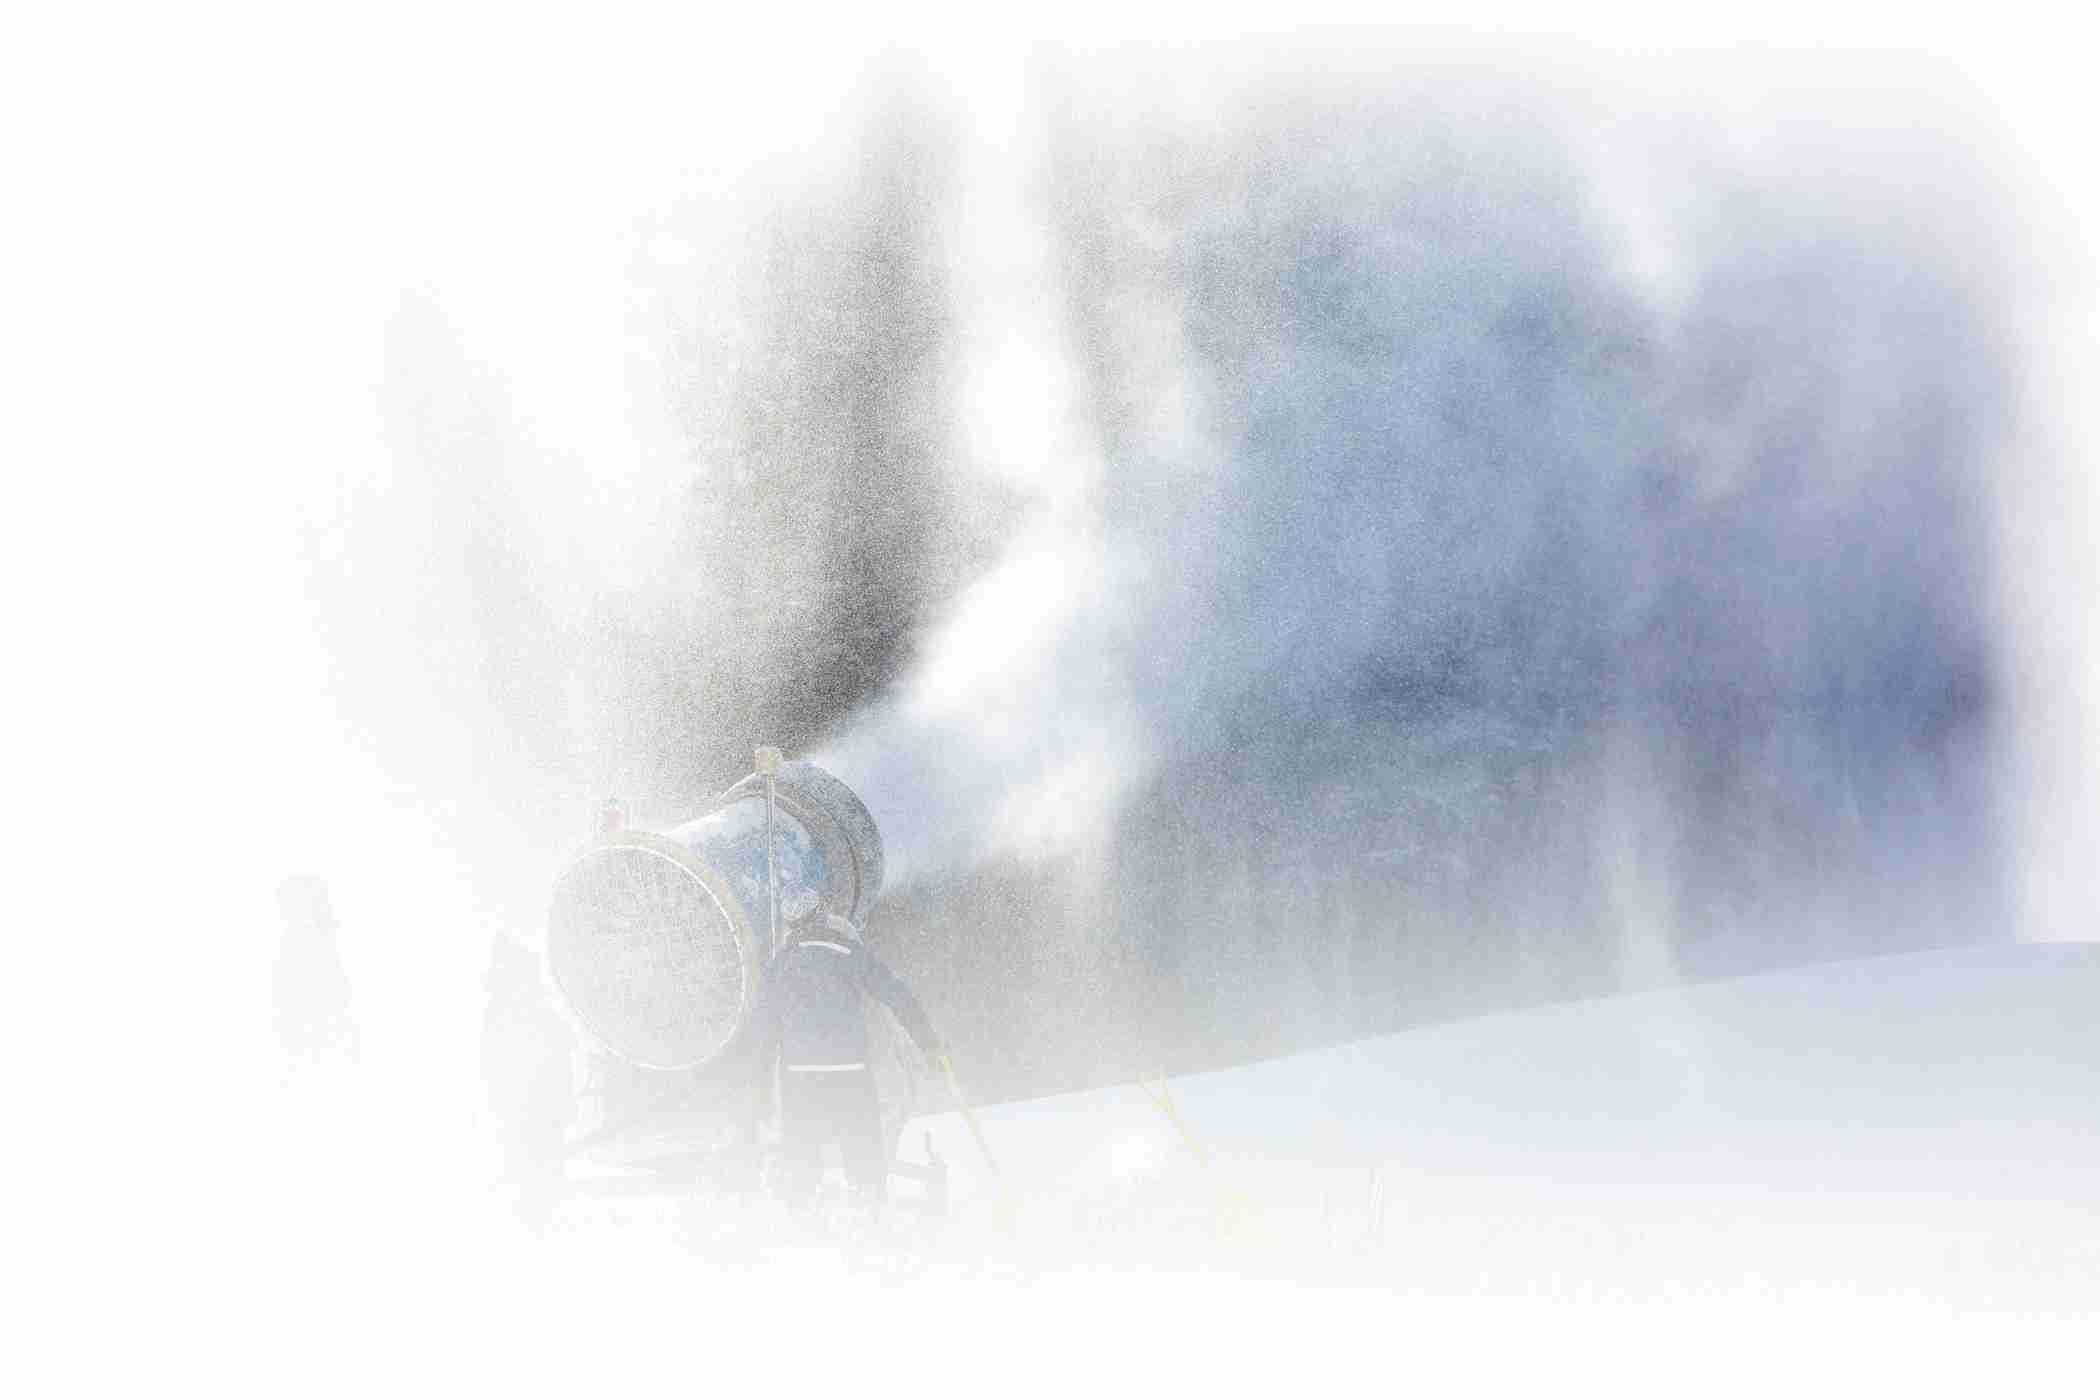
(767, 761)
(969, 1114)
(1163, 1100)
(1006, 1207)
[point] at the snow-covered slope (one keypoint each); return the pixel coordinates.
(1867, 1178)
(1973, 1066)
(1925, 1125)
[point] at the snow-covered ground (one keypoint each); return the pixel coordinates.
(1872, 1177)
(1867, 1176)
(1915, 1072)
(1918, 1127)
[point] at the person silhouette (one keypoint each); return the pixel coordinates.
(812, 1028)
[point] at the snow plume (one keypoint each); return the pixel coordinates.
(1019, 732)
(1414, 466)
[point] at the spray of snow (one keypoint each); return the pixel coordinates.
(1019, 732)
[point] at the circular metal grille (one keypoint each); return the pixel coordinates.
(647, 956)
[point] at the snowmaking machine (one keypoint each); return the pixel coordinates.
(655, 945)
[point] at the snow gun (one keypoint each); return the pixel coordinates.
(655, 941)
